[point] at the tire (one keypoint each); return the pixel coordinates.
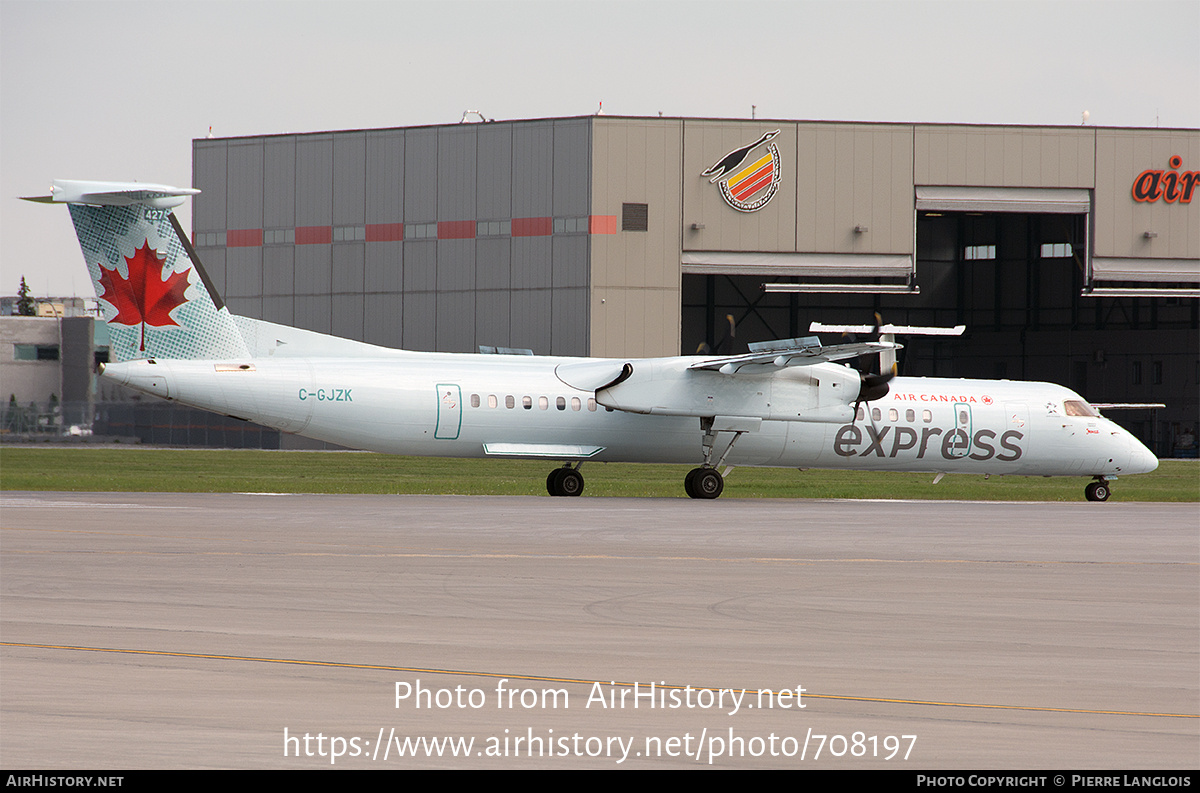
(570, 482)
(552, 481)
(689, 482)
(707, 483)
(1097, 491)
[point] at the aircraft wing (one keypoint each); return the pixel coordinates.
(804, 351)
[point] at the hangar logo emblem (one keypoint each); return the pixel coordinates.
(748, 187)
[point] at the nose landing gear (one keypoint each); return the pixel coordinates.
(1098, 490)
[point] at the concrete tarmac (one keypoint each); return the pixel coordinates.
(168, 631)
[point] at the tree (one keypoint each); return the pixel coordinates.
(25, 305)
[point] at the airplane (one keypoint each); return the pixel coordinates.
(789, 403)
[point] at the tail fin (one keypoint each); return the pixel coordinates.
(156, 297)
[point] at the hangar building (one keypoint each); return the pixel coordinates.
(1072, 254)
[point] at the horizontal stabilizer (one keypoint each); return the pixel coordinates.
(115, 194)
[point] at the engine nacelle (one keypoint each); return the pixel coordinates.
(668, 387)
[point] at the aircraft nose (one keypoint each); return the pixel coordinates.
(1142, 460)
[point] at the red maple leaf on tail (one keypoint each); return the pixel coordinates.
(144, 297)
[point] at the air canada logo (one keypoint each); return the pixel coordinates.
(1171, 186)
(145, 297)
(748, 177)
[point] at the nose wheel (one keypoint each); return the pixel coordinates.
(1097, 491)
(564, 481)
(704, 483)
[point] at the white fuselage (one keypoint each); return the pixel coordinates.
(459, 405)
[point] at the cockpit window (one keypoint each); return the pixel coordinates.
(1075, 407)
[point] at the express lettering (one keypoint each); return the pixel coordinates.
(952, 445)
(1170, 186)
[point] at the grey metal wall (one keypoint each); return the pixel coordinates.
(424, 238)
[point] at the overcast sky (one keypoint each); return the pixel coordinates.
(91, 89)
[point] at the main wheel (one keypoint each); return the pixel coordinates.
(704, 483)
(570, 482)
(564, 482)
(1097, 491)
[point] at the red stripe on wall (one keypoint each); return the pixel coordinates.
(314, 235)
(456, 230)
(385, 232)
(532, 227)
(602, 224)
(243, 238)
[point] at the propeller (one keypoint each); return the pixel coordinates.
(874, 386)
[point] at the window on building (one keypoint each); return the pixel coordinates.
(493, 228)
(420, 231)
(575, 225)
(1056, 250)
(1135, 372)
(978, 252)
(35, 352)
(349, 233)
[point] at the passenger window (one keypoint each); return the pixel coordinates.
(861, 414)
(893, 414)
(910, 415)
(591, 404)
(492, 400)
(527, 402)
(474, 400)
(575, 403)
(875, 414)
(561, 403)
(543, 403)
(510, 402)
(926, 416)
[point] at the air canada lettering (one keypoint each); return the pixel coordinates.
(1170, 186)
(986, 400)
(952, 444)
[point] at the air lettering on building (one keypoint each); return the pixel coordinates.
(1170, 185)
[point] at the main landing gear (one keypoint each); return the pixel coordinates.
(565, 481)
(1098, 490)
(706, 481)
